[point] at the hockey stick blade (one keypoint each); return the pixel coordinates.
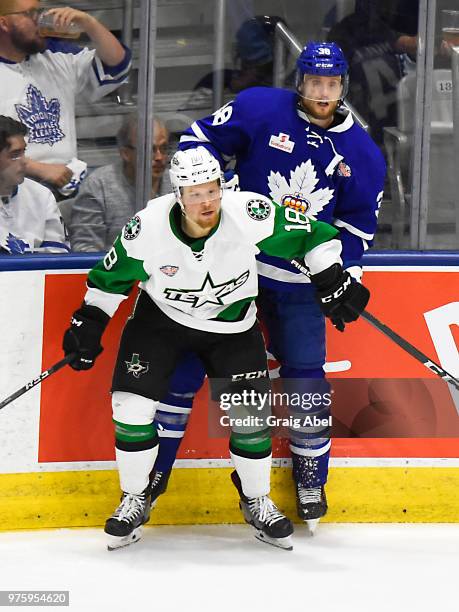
(33, 383)
(409, 348)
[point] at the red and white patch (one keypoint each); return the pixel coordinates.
(169, 270)
(344, 169)
(282, 142)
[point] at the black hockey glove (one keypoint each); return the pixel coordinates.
(83, 336)
(340, 297)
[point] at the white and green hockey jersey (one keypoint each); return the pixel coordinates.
(210, 283)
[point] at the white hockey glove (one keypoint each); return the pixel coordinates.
(231, 181)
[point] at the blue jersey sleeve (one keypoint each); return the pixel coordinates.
(358, 202)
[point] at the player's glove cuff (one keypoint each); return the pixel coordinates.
(83, 337)
(340, 298)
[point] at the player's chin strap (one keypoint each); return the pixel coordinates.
(401, 342)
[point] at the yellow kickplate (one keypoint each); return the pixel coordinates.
(199, 496)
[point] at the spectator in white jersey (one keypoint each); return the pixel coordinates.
(29, 218)
(106, 200)
(40, 79)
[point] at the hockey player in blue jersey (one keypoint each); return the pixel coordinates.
(304, 151)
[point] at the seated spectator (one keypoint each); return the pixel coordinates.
(106, 200)
(29, 218)
(253, 62)
(40, 79)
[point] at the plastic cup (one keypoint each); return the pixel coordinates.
(450, 28)
(47, 28)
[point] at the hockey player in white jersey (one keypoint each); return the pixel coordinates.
(193, 252)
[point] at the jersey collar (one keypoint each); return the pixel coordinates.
(3, 60)
(6, 199)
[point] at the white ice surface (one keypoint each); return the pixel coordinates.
(348, 568)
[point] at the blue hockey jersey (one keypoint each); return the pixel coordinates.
(336, 174)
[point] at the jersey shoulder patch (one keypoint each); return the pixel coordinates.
(132, 228)
(258, 209)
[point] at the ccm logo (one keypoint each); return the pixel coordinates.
(339, 292)
(250, 375)
(35, 381)
(76, 322)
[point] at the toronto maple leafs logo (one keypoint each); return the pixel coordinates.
(302, 184)
(296, 202)
(41, 117)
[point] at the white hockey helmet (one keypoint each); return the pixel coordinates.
(193, 167)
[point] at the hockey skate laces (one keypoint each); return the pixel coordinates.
(268, 513)
(131, 506)
(156, 479)
(308, 496)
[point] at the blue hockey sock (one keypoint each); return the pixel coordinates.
(171, 419)
(309, 445)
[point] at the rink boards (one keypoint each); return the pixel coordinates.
(394, 457)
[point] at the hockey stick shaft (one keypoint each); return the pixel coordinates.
(409, 348)
(401, 342)
(33, 383)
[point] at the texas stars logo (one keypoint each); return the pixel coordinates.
(41, 117)
(208, 293)
(258, 209)
(137, 367)
(132, 228)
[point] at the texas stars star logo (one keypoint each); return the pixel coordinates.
(137, 367)
(208, 293)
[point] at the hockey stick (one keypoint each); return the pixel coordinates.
(409, 348)
(401, 342)
(57, 366)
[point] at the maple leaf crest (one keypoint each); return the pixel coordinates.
(303, 180)
(41, 117)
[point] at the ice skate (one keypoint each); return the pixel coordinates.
(158, 485)
(270, 525)
(311, 504)
(124, 527)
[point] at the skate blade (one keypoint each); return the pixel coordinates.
(284, 543)
(115, 542)
(312, 525)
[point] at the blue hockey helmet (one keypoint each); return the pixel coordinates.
(322, 59)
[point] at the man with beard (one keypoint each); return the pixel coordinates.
(40, 79)
(303, 151)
